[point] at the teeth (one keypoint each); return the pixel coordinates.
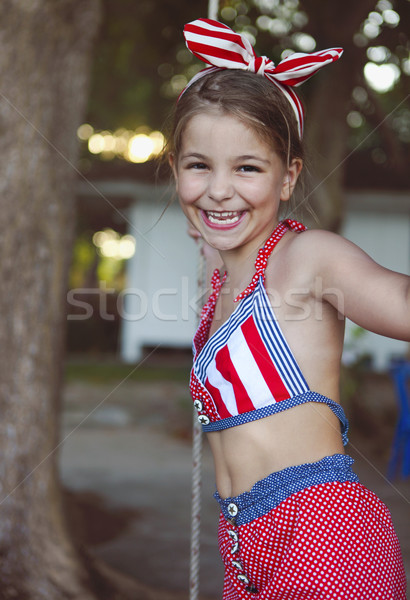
(227, 217)
(222, 215)
(226, 221)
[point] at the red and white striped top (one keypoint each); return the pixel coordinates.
(246, 370)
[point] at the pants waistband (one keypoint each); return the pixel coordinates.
(268, 493)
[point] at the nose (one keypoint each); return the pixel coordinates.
(219, 186)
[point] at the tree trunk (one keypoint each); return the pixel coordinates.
(327, 145)
(327, 132)
(45, 52)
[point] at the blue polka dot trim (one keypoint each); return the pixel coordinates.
(271, 409)
(268, 493)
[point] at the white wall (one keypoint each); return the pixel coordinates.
(380, 224)
(161, 300)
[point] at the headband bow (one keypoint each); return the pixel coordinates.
(216, 44)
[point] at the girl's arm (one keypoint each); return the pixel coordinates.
(370, 295)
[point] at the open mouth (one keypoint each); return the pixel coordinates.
(222, 219)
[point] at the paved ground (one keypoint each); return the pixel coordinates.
(128, 461)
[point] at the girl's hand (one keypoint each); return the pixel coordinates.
(213, 260)
(192, 232)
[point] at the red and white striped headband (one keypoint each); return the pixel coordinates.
(216, 44)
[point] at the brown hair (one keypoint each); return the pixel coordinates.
(249, 97)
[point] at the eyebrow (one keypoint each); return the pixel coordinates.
(193, 155)
(236, 158)
(252, 157)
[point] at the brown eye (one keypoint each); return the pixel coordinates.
(197, 166)
(249, 169)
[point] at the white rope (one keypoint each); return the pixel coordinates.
(213, 9)
(196, 474)
(197, 434)
(196, 510)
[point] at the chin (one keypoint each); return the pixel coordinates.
(222, 247)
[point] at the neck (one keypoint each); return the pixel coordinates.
(240, 263)
(238, 260)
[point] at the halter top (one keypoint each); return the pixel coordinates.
(246, 370)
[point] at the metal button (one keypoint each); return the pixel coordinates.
(232, 509)
(233, 535)
(237, 564)
(243, 578)
(203, 419)
(198, 405)
(235, 548)
(252, 589)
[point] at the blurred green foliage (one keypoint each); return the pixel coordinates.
(136, 38)
(83, 261)
(104, 372)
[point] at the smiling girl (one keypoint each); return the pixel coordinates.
(295, 521)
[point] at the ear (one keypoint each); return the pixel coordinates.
(291, 176)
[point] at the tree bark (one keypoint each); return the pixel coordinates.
(45, 52)
(327, 144)
(327, 132)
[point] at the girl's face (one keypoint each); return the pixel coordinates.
(230, 182)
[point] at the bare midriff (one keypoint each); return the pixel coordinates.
(247, 453)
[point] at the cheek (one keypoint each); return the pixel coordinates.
(189, 190)
(190, 214)
(186, 204)
(183, 208)
(269, 193)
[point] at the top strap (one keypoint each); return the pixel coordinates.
(217, 281)
(264, 253)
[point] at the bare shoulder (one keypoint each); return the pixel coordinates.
(317, 242)
(334, 259)
(317, 251)
(326, 249)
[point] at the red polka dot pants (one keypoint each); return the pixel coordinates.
(332, 540)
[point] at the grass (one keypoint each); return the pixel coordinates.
(103, 371)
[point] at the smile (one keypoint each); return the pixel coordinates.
(222, 219)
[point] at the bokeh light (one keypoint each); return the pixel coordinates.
(96, 143)
(85, 131)
(382, 78)
(136, 146)
(354, 119)
(140, 148)
(304, 42)
(111, 244)
(391, 17)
